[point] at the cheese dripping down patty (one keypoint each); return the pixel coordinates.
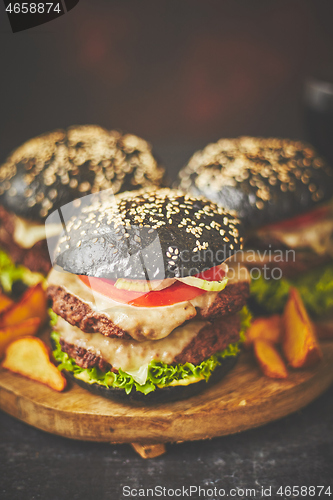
(131, 356)
(142, 323)
(316, 235)
(27, 233)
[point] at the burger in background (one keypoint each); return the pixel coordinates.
(142, 304)
(318, 101)
(53, 169)
(282, 191)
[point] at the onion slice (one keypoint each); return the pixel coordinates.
(208, 286)
(157, 285)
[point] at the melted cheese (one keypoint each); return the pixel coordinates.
(317, 236)
(142, 323)
(140, 375)
(130, 355)
(27, 233)
(237, 272)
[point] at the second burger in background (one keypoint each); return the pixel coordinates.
(143, 308)
(282, 191)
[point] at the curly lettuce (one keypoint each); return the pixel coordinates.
(159, 374)
(10, 272)
(315, 288)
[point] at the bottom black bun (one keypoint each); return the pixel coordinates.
(159, 396)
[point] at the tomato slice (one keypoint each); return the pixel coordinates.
(301, 220)
(177, 292)
(216, 273)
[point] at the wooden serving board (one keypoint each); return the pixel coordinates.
(242, 400)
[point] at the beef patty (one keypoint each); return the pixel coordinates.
(35, 258)
(212, 338)
(79, 313)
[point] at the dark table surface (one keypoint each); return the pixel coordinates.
(297, 450)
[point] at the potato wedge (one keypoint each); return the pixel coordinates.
(5, 302)
(264, 328)
(30, 357)
(11, 333)
(33, 304)
(300, 345)
(269, 359)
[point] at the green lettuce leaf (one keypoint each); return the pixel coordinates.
(10, 272)
(159, 374)
(53, 317)
(315, 288)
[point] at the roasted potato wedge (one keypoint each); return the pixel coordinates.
(5, 302)
(33, 304)
(266, 329)
(300, 345)
(30, 357)
(11, 333)
(269, 359)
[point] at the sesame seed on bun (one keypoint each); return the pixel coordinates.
(159, 233)
(263, 180)
(53, 169)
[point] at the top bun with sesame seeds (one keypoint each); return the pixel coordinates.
(147, 234)
(53, 169)
(264, 180)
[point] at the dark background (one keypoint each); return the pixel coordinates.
(179, 73)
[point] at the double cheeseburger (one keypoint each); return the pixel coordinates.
(51, 170)
(282, 191)
(142, 304)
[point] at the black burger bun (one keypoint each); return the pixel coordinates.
(263, 180)
(55, 168)
(147, 234)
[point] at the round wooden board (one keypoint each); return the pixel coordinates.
(242, 400)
